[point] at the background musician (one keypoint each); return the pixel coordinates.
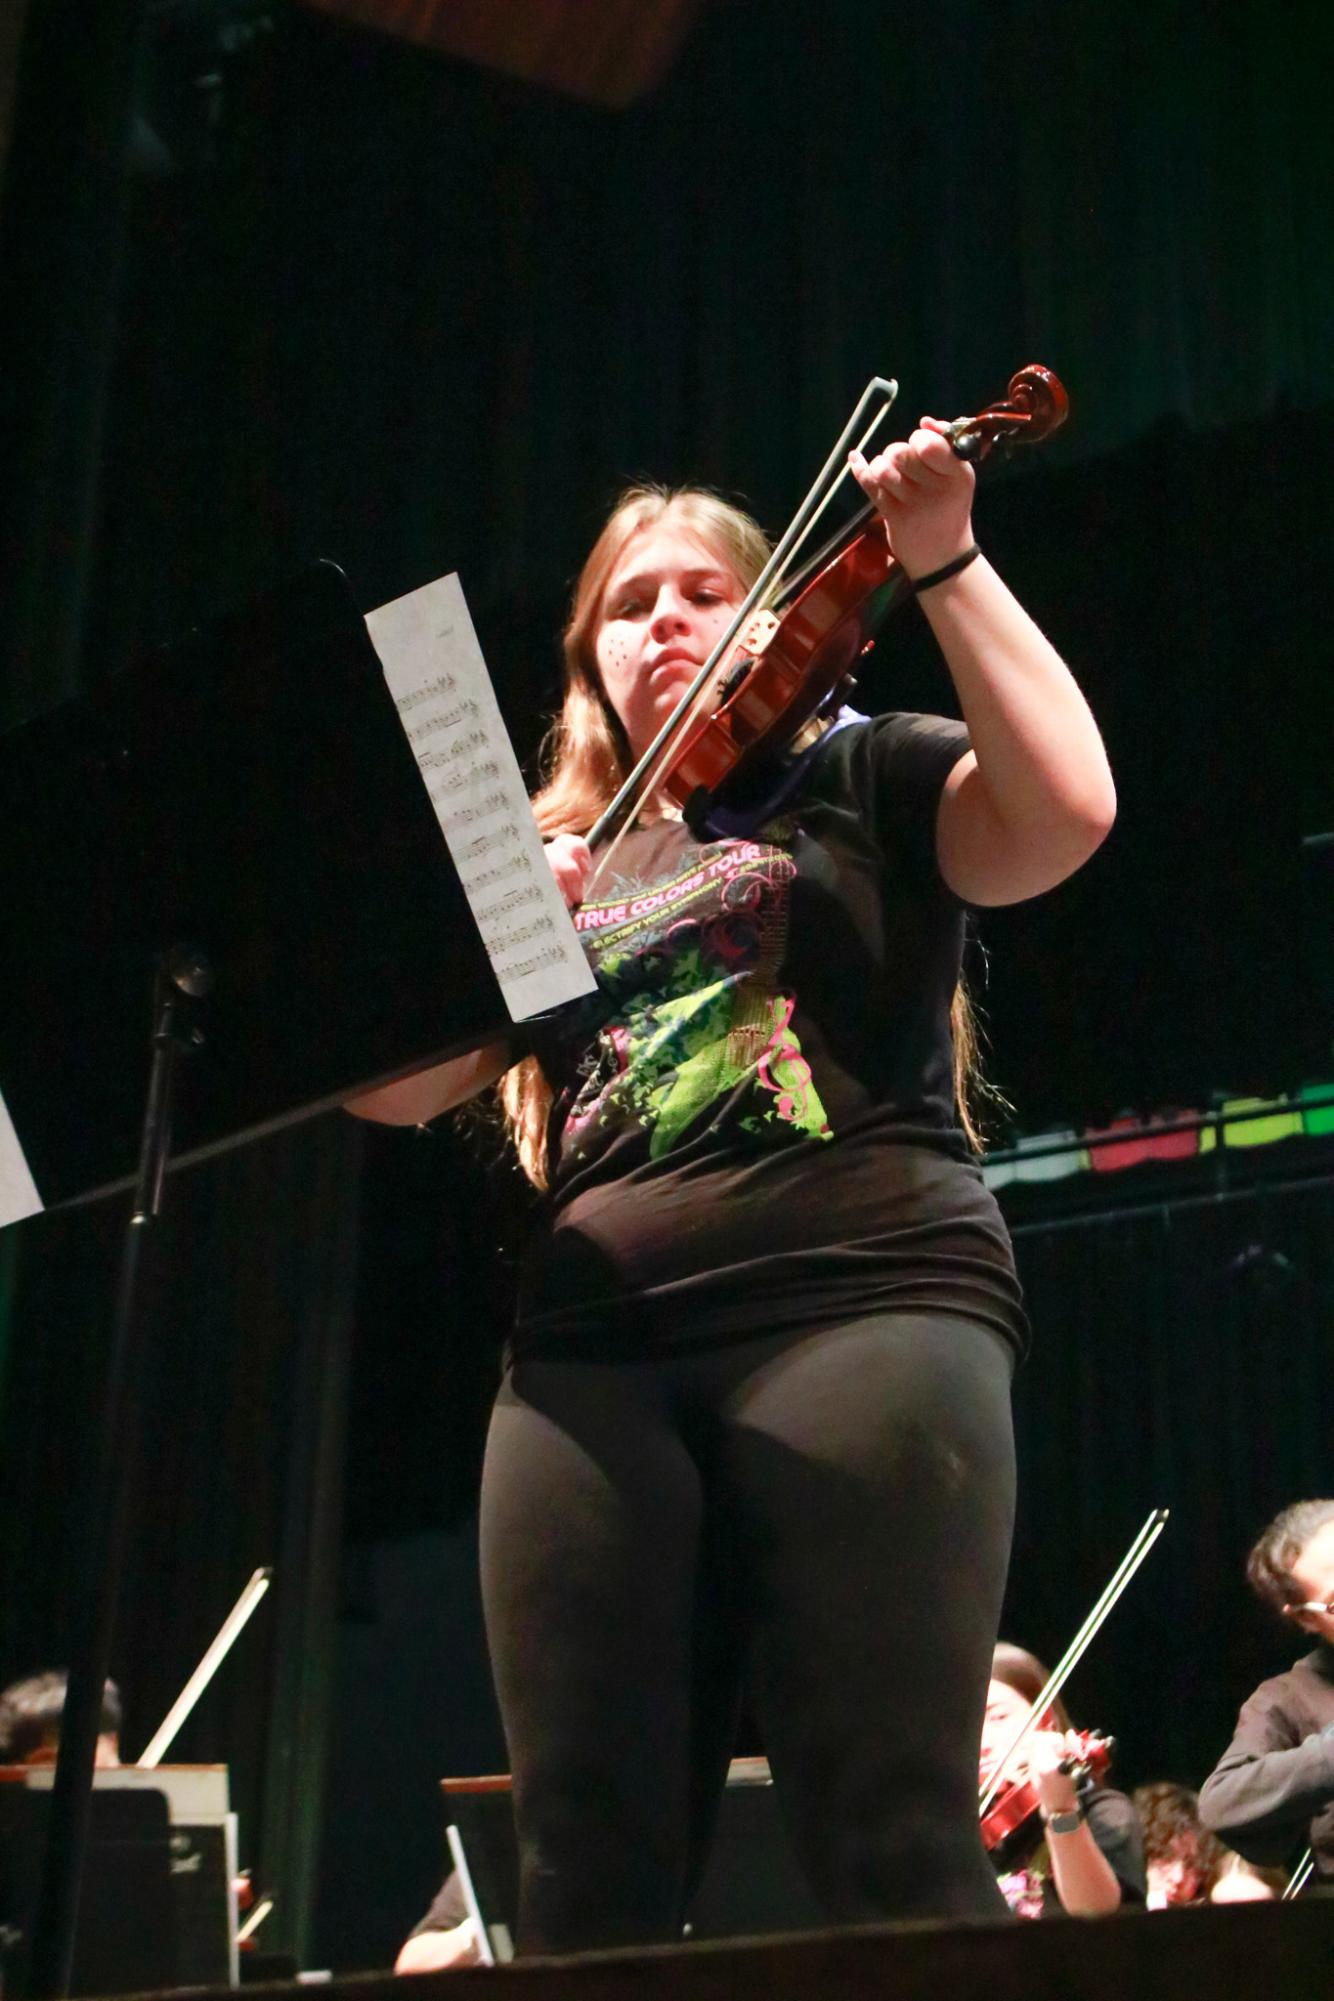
(1090, 1858)
(445, 1937)
(1182, 1858)
(1272, 1791)
(1241, 1882)
(30, 1717)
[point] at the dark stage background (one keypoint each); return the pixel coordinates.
(373, 303)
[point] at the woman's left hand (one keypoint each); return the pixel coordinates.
(923, 492)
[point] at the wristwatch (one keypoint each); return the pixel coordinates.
(1065, 1823)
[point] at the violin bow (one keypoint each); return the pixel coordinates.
(1078, 1647)
(1296, 1883)
(638, 786)
(215, 1654)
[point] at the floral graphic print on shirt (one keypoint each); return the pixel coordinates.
(688, 969)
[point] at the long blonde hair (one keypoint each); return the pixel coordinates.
(586, 758)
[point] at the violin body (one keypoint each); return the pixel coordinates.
(801, 668)
(1012, 1824)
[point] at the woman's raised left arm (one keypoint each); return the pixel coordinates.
(1034, 798)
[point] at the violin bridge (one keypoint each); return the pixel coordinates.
(755, 635)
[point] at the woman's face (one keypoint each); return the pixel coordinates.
(1175, 1878)
(668, 601)
(1006, 1710)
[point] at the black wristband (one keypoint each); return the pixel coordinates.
(945, 571)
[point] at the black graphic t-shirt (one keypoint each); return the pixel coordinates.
(754, 1126)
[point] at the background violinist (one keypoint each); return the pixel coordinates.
(1089, 1855)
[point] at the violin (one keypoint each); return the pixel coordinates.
(788, 664)
(1012, 1824)
(1008, 1807)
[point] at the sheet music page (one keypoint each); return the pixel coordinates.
(18, 1190)
(438, 679)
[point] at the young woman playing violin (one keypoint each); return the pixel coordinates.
(1060, 1838)
(755, 1423)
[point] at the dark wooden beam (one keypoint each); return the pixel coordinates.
(606, 51)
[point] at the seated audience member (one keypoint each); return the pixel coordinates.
(445, 1937)
(1089, 1859)
(1240, 1882)
(1181, 1856)
(30, 1715)
(1272, 1790)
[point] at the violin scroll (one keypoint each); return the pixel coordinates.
(1034, 405)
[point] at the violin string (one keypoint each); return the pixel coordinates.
(682, 714)
(839, 540)
(1074, 1653)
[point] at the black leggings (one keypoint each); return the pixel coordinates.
(826, 1515)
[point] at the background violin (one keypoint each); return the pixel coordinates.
(1012, 1824)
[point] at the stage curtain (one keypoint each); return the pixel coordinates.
(240, 1462)
(383, 307)
(1182, 1359)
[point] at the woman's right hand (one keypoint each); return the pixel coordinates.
(571, 862)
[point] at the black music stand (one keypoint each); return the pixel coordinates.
(241, 817)
(129, 1932)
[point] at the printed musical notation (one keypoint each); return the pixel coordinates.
(18, 1190)
(448, 708)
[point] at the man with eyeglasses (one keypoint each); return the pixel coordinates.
(1272, 1791)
